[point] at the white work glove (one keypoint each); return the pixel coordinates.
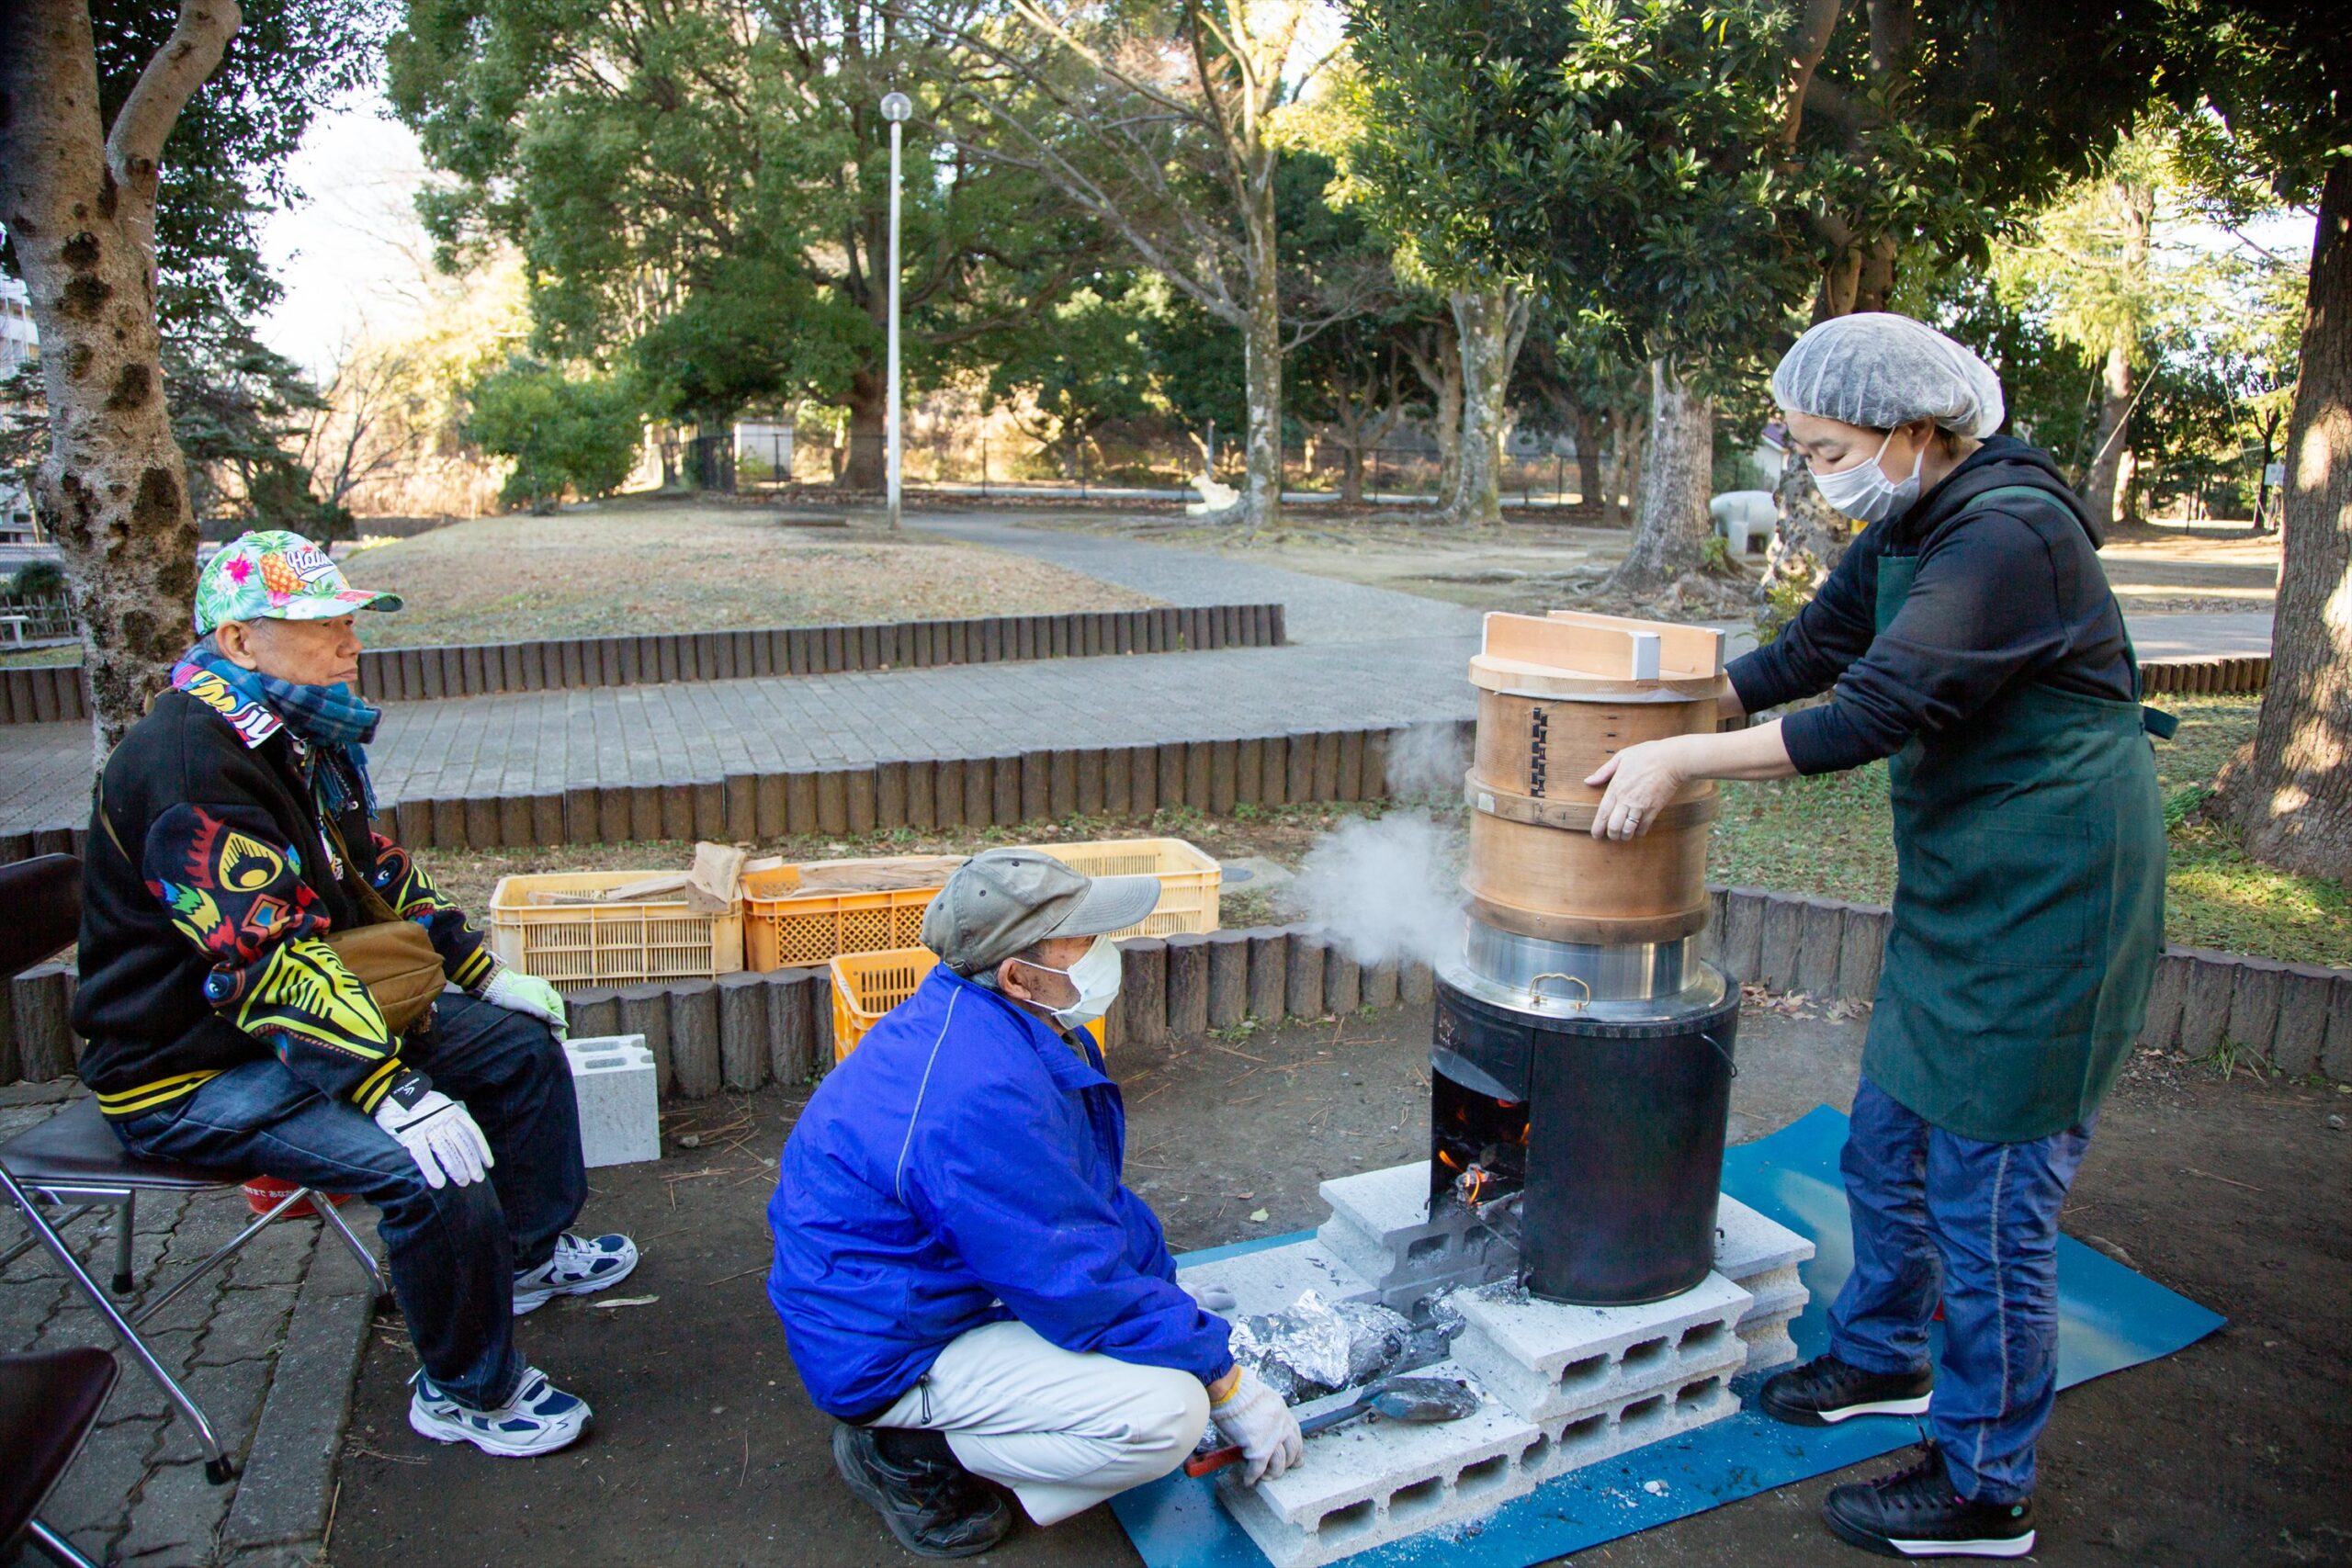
(438, 1132)
(517, 992)
(1217, 1299)
(1253, 1418)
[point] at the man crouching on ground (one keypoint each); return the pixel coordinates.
(965, 1279)
(262, 990)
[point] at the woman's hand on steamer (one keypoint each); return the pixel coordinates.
(1642, 780)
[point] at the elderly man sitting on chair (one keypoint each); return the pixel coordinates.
(965, 1279)
(262, 990)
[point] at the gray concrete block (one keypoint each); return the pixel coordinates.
(1750, 1247)
(1143, 990)
(794, 996)
(1271, 1280)
(1343, 980)
(1378, 984)
(591, 1010)
(1548, 1359)
(1416, 985)
(1382, 1225)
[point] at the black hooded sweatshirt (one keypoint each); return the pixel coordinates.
(2011, 592)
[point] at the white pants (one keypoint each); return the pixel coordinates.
(1063, 1430)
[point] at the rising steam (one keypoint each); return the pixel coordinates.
(1386, 888)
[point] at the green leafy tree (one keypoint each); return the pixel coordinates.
(703, 189)
(2269, 87)
(564, 433)
(1086, 364)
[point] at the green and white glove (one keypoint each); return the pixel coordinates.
(511, 989)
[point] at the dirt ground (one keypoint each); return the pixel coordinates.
(705, 1450)
(656, 565)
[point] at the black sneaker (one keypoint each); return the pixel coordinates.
(935, 1508)
(1914, 1513)
(1826, 1390)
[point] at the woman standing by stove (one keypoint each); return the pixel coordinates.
(1969, 635)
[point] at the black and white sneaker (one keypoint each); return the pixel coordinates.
(1826, 1390)
(935, 1506)
(1914, 1513)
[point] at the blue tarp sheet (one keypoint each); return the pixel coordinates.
(2109, 1317)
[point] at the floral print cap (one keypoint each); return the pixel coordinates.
(276, 575)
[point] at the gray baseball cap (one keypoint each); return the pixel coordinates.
(1000, 902)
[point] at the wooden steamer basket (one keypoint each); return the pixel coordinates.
(1557, 696)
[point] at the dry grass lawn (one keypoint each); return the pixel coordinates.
(647, 566)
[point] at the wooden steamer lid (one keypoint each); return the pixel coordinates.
(1557, 696)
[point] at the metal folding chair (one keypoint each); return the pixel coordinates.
(74, 1159)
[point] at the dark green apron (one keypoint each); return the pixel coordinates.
(2029, 906)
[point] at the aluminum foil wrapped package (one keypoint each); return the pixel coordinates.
(1315, 1347)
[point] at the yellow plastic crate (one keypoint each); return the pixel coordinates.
(784, 926)
(1189, 878)
(867, 985)
(609, 944)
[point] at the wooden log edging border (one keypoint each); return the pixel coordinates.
(51, 693)
(743, 1032)
(2206, 677)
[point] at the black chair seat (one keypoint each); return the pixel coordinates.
(77, 1146)
(48, 1405)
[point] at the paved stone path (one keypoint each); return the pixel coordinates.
(267, 1345)
(1361, 657)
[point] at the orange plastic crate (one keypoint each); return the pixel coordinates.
(867, 985)
(785, 927)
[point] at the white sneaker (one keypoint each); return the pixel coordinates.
(539, 1419)
(578, 1267)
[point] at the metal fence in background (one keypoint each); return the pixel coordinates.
(46, 615)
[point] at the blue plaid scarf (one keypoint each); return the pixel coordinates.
(334, 723)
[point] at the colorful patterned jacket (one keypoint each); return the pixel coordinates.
(209, 950)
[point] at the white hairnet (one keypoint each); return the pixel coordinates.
(1880, 370)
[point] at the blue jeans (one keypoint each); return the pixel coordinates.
(1936, 1215)
(454, 1250)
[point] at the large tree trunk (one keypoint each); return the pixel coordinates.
(1261, 481)
(869, 467)
(1590, 500)
(79, 202)
(2293, 796)
(2103, 484)
(1671, 535)
(1628, 450)
(1489, 324)
(2107, 488)
(1438, 363)
(1808, 540)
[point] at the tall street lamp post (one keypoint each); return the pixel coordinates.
(896, 108)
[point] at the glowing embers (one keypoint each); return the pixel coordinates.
(1477, 1146)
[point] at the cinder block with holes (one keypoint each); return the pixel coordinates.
(1382, 1227)
(1549, 1361)
(1368, 1484)
(620, 1108)
(1272, 1279)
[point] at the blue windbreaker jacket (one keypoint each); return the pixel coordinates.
(961, 1168)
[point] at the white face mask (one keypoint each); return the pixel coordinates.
(1096, 976)
(1864, 493)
